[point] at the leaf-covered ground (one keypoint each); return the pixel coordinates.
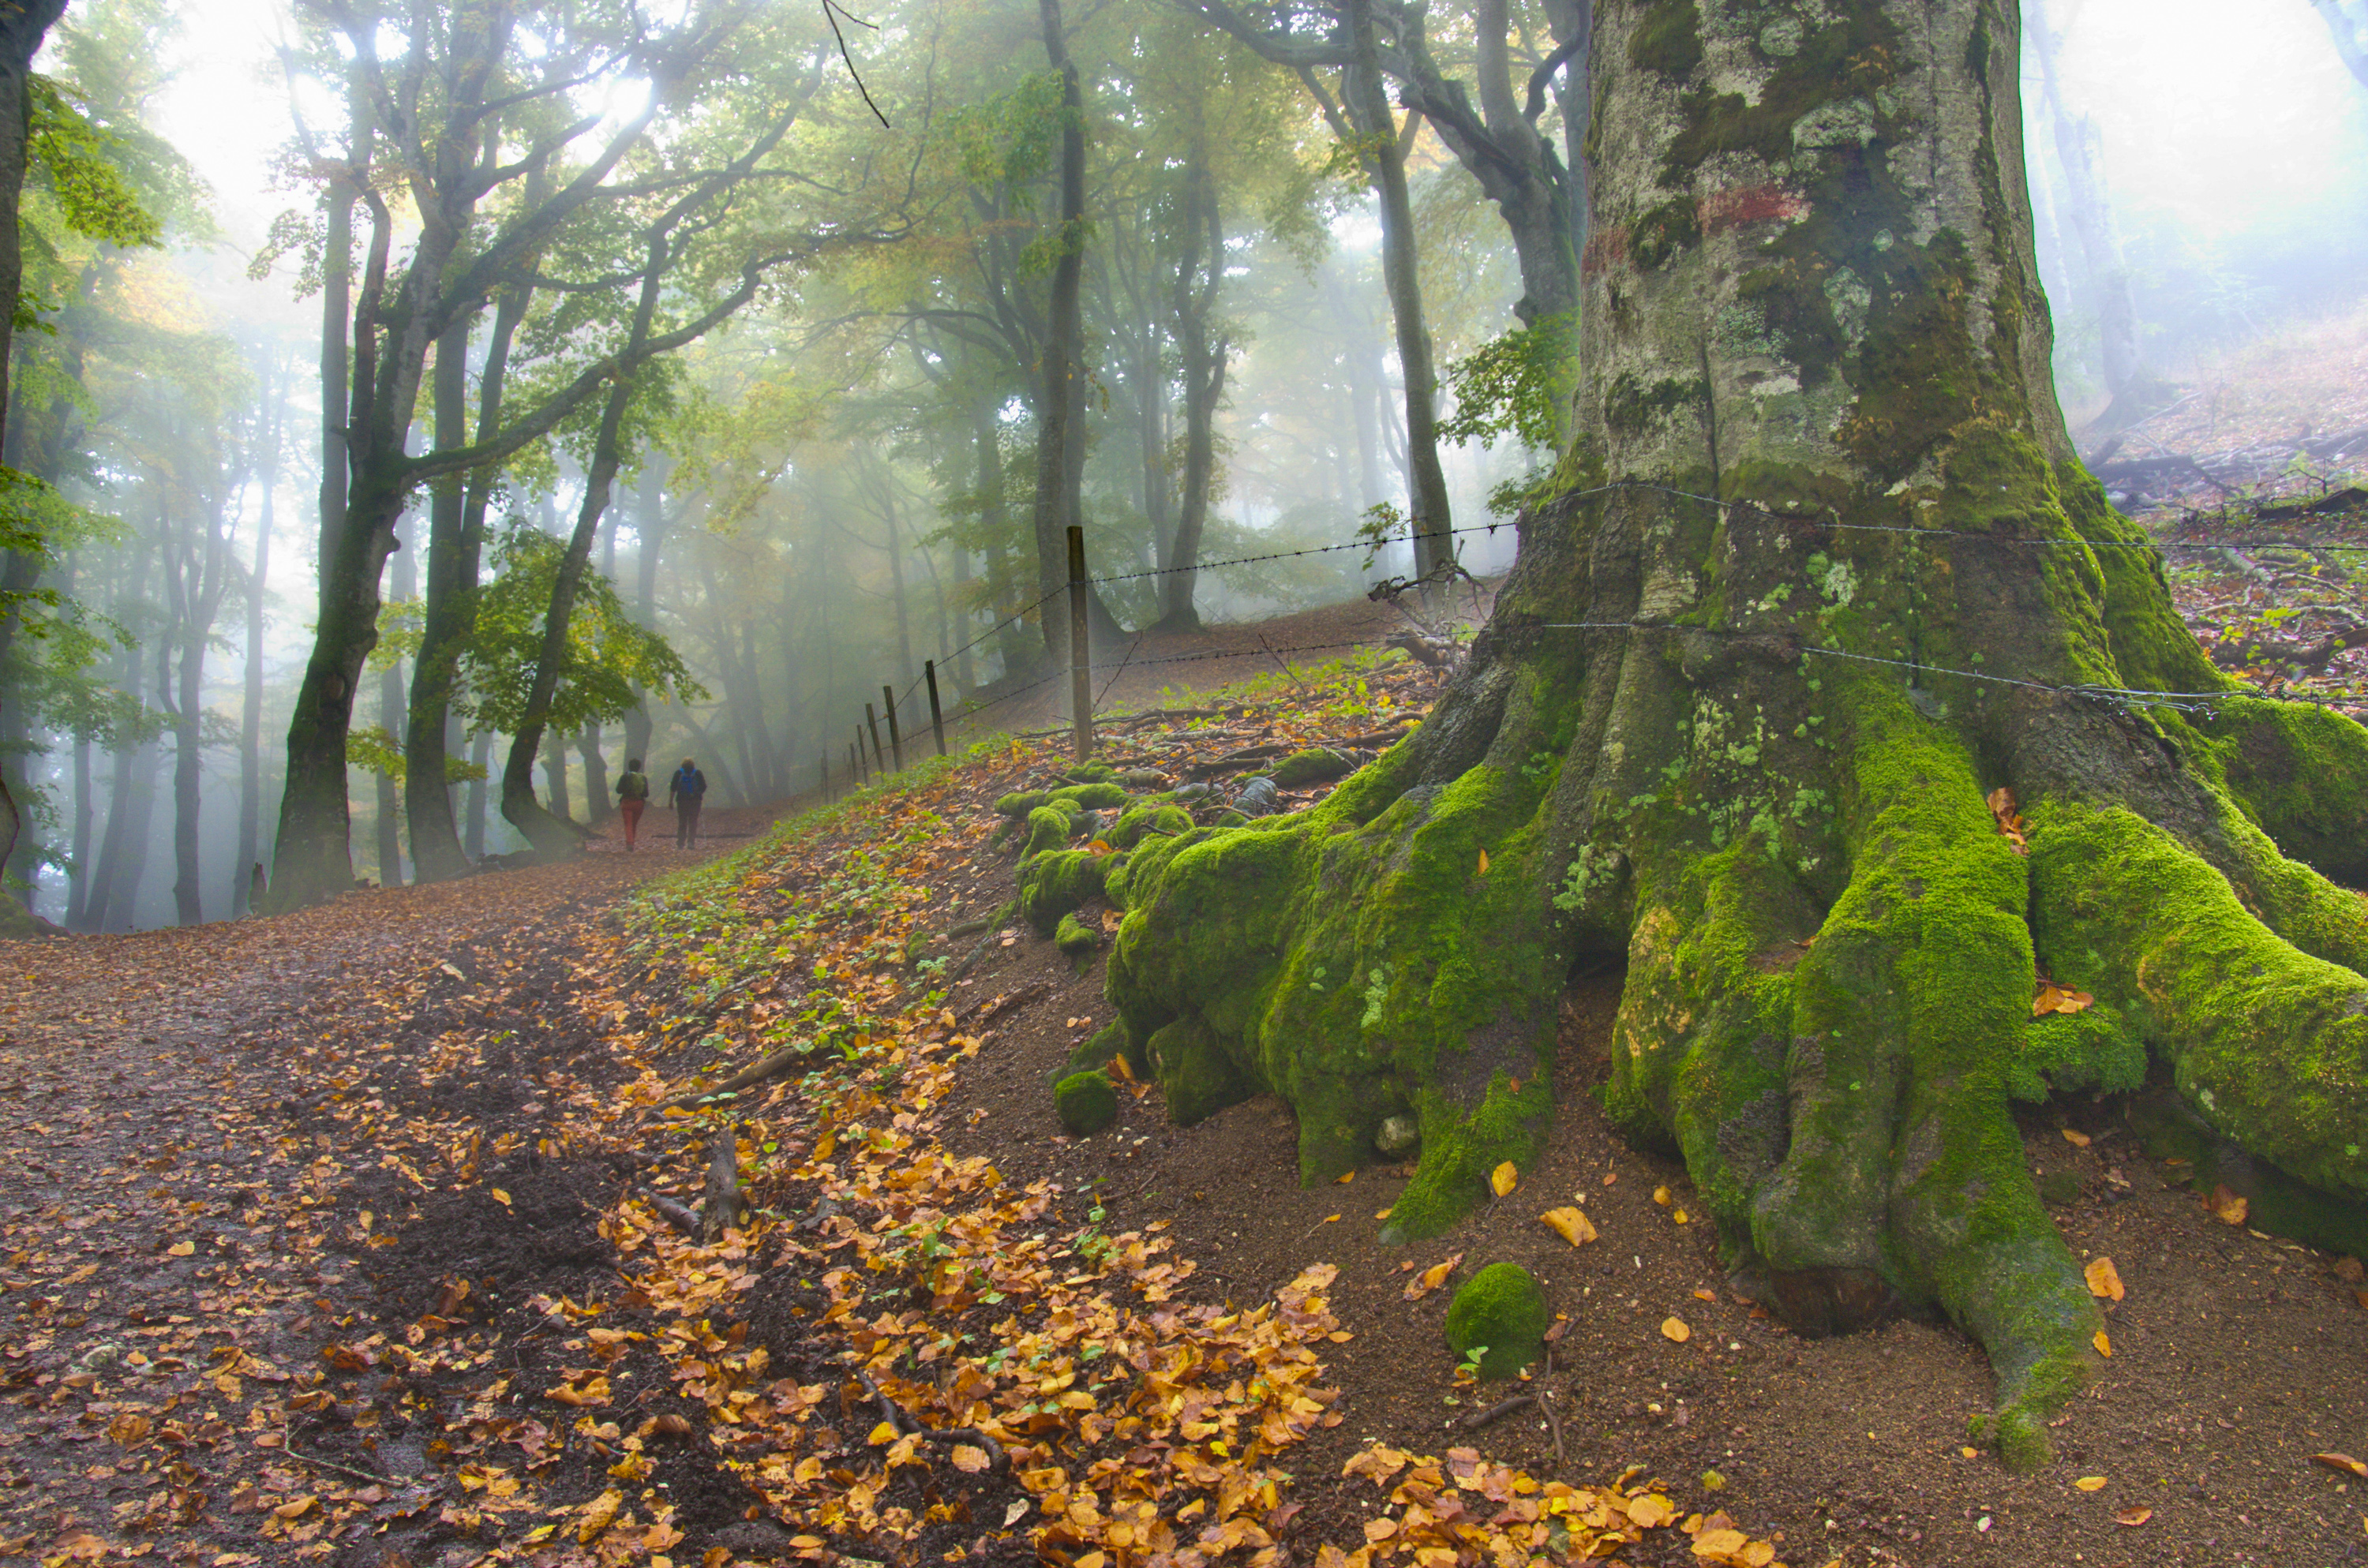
(360, 1236)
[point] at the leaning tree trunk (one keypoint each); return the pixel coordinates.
(1745, 744)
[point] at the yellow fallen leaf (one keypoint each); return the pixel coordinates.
(2104, 1346)
(1483, 862)
(501, 1197)
(1501, 1179)
(1431, 1278)
(1970, 1453)
(2133, 1517)
(1384, 1213)
(1675, 1329)
(2343, 1461)
(1571, 1223)
(884, 1434)
(597, 1514)
(2090, 1484)
(2077, 1140)
(1651, 1511)
(1705, 1295)
(180, 1249)
(1720, 1544)
(2104, 1280)
(1101, 847)
(2227, 1207)
(1327, 1218)
(1662, 1196)
(295, 1508)
(1347, 1176)
(969, 1460)
(1679, 1216)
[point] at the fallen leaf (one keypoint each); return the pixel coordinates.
(2090, 1484)
(1347, 1176)
(2103, 1279)
(296, 1507)
(1720, 1544)
(884, 1434)
(1662, 1196)
(1651, 1511)
(2104, 1346)
(2227, 1207)
(1327, 1218)
(1675, 1329)
(1483, 863)
(1705, 1295)
(2077, 1138)
(180, 1249)
(1501, 1179)
(501, 1197)
(969, 1460)
(1014, 1512)
(2133, 1517)
(597, 1514)
(2343, 1461)
(1679, 1215)
(1571, 1223)
(1101, 847)
(1431, 1278)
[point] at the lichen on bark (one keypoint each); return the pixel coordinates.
(1743, 744)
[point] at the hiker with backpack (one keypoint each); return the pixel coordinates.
(632, 797)
(685, 791)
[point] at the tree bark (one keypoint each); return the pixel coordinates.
(1201, 346)
(404, 584)
(271, 419)
(1752, 746)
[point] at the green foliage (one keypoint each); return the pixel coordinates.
(609, 653)
(371, 748)
(77, 163)
(1507, 386)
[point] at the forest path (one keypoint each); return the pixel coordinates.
(160, 1253)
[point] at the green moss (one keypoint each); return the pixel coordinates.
(2300, 772)
(1054, 883)
(2060, 1188)
(1502, 1309)
(1199, 1076)
(1049, 828)
(1662, 233)
(2094, 1049)
(1102, 796)
(1075, 938)
(2268, 1043)
(1668, 40)
(1021, 803)
(1090, 773)
(1085, 1102)
(1147, 817)
(1631, 407)
(1311, 766)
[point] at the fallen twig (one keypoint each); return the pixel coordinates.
(1483, 1417)
(772, 1066)
(994, 1007)
(288, 1445)
(682, 1217)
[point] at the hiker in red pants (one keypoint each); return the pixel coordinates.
(633, 798)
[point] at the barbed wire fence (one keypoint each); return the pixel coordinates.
(2340, 509)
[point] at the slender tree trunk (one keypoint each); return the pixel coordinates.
(1203, 350)
(1061, 385)
(964, 679)
(554, 772)
(1369, 112)
(649, 534)
(2092, 211)
(390, 716)
(271, 419)
(78, 879)
(481, 757)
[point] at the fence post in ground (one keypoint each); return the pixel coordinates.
(879, 758)
(895, 736)
(855, 759)
(1081, 665)
(937, 718)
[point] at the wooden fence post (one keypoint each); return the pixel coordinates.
(937, 718)
(895, 738)
(879, 758)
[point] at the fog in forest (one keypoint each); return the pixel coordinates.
(839, 481)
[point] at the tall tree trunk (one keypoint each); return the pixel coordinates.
(78, 877)
(1754, 747)
(404, 586)
(2092, 211)
(1058, 421)
(312, 856)
(964, 679)
(456, 548)
(1372, 123)
(649, 534)
(1200, 270)
(272, 418)
(131, 814)
(554, 772)
(480, 758)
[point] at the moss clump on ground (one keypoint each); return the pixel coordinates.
(1194, 1071)
(2094, 1049)
(1100, 796)
(1090, 773)
(1049, 828)
(1312, 766)
(1019, 803)
(1154, 817)
(1075, 938)
(1053, 884)
(1502, 1309)
(1085, 1102)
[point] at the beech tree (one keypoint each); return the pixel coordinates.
(1830, 697)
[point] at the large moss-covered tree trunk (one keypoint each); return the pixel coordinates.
(1746, 745)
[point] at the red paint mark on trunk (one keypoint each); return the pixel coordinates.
(1746, 204)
